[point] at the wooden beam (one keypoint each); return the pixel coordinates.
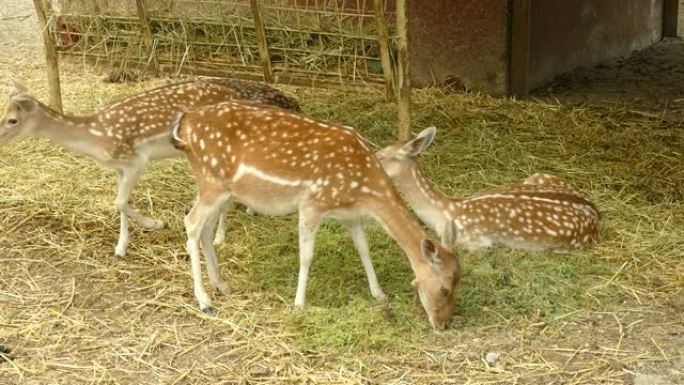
(51, 57)
(670, 18)
(403, 79)
(519, 70)
(146, 31)
(257, 12)
(383, 43)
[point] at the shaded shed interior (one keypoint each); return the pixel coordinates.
(568, 34)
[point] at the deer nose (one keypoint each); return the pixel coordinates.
(439, 325)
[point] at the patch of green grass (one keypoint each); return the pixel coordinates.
(518, 284)
(361, 325)
(341, 314)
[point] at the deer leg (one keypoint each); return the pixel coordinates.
(222, 228)
(309, 220)
(359, 237)
(215, 278)
(196, 222)
(128, 178)
(122, 243)
(220, 236)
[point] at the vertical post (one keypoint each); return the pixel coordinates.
(98, 21)
(257, 12)
(383, 43)
(520, 48)
(403, 80)
(50, 56)
(670, 18)
(146, 31)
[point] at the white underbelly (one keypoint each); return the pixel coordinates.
(274, 207)
(156, 148)
(266, 197)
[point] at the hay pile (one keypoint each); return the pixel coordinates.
(71, 313)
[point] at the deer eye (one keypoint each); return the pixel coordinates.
(11, 121)
(444, 291)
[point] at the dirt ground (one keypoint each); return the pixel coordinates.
(18, 36)
(72, 314)
(652, 79)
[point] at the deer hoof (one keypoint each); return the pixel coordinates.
(380, 297)
(219, 239)
(209, 311)
(119, 252)
(153, 224)
(223, 288)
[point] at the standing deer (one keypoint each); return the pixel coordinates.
(278, 162)
(127, 134)
(543, 212)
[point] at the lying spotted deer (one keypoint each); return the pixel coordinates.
(543, 212)
(278, 162)
(127, 134)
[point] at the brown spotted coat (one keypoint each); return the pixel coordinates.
(278, 162)
(543, 212)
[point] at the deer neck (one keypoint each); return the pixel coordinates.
(73, 132)
(402, 226)
(430, 205)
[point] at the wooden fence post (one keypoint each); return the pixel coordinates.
(51, 58)
(257, 12)
(519, 70)
(383, 43)
(403, 78)
(147, 33)
(670, 18)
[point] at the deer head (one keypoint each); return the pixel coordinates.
(17, 121)
(396, 158)
(436, 291)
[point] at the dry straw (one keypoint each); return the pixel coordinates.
(314, 41)
(73, 314)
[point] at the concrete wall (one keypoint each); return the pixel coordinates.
(571, 33)
(464, 39)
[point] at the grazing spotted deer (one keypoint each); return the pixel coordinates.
(127, 134)
(278, 162)
(543, 212)
(256, 91)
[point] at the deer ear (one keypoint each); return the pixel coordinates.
(430, 251)
(420, 143)
(17, 88)
(449, 234)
